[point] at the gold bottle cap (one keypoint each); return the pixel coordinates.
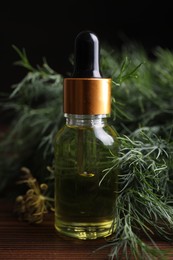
(87, 96)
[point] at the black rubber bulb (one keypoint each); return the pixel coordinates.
(86, 56)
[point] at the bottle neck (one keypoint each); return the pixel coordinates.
(86, 120)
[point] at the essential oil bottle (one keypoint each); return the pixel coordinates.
(85, 186)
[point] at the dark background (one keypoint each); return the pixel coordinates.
(49, 29)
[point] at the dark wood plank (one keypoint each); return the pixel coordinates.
(22, 241)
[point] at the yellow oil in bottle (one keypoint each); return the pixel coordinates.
(85, 191)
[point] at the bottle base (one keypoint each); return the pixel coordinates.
(85, 231)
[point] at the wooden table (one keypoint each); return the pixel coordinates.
(23, 241)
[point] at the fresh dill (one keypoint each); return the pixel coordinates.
(142, 113)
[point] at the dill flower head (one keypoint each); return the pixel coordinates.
(33, 205)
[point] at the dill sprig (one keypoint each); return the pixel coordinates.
(35, 106)
(142, 96)
(144, 205)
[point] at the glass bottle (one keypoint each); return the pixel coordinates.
(85, 185)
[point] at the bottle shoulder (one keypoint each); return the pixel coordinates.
(105, 134)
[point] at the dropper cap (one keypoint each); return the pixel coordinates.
(86, 92)
(86, 56)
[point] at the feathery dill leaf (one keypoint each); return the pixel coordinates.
(143, 206)
(36, 104)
